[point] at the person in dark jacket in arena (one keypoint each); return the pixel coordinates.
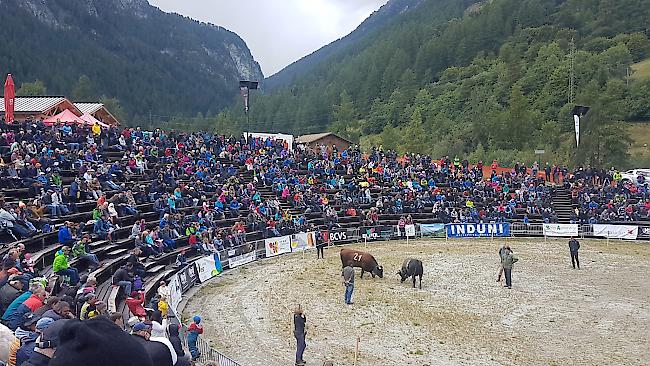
(574, 245)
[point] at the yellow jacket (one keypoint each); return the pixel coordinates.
(97, 129)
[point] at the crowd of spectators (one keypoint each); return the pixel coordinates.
(603, 196)
(205, 191)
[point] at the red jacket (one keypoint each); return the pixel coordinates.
(135, 304)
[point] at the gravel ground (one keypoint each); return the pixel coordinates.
(554, 315)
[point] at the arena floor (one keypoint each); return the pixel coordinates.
(554, 315)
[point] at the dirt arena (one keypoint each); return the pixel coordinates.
(554, 315)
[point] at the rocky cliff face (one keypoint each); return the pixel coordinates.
(108, 39)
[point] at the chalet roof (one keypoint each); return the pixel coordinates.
(89, 108)
(307, 139)
(32, 104)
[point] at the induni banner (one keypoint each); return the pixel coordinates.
(561, 230)
(498, 229)
(616, 231)
(277, 246)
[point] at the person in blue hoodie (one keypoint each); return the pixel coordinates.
(65, 236)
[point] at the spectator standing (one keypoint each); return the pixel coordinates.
(348, 282)
(574, 245)
(320, 245)
(508, 260)
(195, 329)
(300, 332)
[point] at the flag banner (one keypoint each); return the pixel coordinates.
(244, 94)
(472, 230)
(410, 231)
(576, 122)
(434, 230)
(277, 246)
(175, 293)
(240, 260)
(208, 267)
(616, 231)
(187, 277)
(303, 241)
(560, 229)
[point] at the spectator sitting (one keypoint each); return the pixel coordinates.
(61, 267)
(103, 228)
(65, 236)
(124, 279)
(80, 250)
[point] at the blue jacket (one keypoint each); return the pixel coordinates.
(64, 235)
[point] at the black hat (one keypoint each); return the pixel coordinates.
(50, 336)
(99, 342)
(30, 319)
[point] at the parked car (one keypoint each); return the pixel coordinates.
(632, 175)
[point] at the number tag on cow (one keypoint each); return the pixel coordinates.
(357, 257)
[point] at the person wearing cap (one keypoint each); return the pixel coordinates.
(46, 346)
(80, 250)
(88, 306)
(509, 259)
(61, 267)
(193, 332)
(89, 342)
(27, 345)
(24, 333)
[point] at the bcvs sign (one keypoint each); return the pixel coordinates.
(338, 236)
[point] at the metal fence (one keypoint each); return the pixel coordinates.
(207, 352)
(256, 250)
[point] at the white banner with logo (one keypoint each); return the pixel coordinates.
(208, 267)
(560, 229)
(240, 260)
(277, 246)
(303, 241)
(410, 230)
(616, 231)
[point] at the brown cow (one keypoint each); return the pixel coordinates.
(363, 260)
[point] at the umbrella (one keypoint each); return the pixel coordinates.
(64, 117)
(90, 120)
(10, 98)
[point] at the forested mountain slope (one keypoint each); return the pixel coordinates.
(485, 80)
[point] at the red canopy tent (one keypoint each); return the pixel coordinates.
(64, 117)
(90, 120)
(10, 99)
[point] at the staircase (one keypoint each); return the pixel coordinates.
(562, 204)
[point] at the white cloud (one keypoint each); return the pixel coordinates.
(279, 32)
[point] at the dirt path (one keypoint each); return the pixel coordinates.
(554, 315)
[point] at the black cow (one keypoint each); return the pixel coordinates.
(363, 260)
(411, 268)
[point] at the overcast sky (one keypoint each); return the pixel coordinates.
(279, 32)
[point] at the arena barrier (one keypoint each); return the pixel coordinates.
(207, 267)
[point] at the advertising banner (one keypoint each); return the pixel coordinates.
(410, 231)
(472, 230)
(338, 236)
(303, 241)
(561, 230)
(208, 267)
(616, 231)
(277, 246)
(644, 232)
(240, 260)
(175, 293)
(434, 230)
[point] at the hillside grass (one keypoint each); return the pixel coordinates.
(640, 148)
(641, 69)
